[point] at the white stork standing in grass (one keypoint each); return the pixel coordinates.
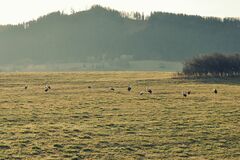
(215, 91)
(149, 90)
(129, 88)
(47, 87)
(184, 94)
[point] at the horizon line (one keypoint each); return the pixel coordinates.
(72, 11)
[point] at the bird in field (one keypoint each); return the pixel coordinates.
(129, 88)
(89, 87)
(26, 87)
(189, 92)
(46, 89)
(47, 86)
(149, 90)
(215, 91)
(112, 89)
(184, 94)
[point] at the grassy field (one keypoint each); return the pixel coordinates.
(74, 122)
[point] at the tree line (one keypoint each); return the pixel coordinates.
(217, 65)
(103, 32)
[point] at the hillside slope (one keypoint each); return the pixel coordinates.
(101, 34)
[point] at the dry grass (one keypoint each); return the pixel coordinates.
(74, 122)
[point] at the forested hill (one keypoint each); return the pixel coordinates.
(105, 34)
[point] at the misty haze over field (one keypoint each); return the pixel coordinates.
(105, 39)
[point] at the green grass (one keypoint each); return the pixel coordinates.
(74, 122)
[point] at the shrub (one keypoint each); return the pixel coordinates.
(213, 65)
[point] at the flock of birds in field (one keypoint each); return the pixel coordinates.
(129, 88)
(185, 94)
(46, 88)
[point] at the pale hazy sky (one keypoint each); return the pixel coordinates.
(18, 11)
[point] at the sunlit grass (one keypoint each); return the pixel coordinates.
(74, 122)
